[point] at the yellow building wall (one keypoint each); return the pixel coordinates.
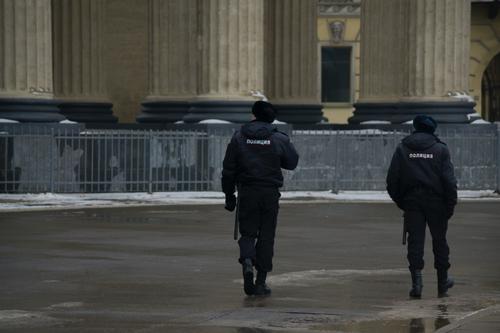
(340, 112)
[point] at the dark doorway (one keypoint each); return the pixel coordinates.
(490, 91)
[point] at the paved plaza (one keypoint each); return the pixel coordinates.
(339, 267)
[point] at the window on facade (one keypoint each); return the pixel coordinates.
(335, 74)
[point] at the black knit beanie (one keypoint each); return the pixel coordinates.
(423, 123)
(264, 111)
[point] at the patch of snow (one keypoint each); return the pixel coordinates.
(461, 95)
(277, 122)
(66, 305)
(51, 201)
(13, 202)
(259, 94)
(2, 120)
(373, 122)
(474, 116)
(66, 121)
(214, 121)
(480, 121)
(321, 276)
(473, 195)
(179, 122)
(20, 318)
(409, 122)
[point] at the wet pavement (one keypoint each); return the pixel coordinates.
(339, 267)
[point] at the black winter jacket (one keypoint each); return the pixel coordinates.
(422, 162)
(255, 156)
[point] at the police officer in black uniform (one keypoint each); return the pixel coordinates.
(252, 165)
(422, 183)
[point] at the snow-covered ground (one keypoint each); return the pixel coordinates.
(21, 202)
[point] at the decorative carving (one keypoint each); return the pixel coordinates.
(337, 29)
(339, 7)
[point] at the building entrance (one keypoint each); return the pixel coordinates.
(490, 90)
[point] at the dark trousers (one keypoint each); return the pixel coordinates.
(258, 214)
(422, 210)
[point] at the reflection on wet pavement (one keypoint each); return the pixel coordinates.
(251, 330)
(256, 302)
(442, 318)
(415, 316)
(417, 325)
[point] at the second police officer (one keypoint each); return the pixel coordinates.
(422, 183)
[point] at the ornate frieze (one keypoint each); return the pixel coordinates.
(339, 7)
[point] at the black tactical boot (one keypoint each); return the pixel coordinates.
(417, 285)
(248, 285)
(444, 283)
(261, 289)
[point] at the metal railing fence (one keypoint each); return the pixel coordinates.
(62, 159)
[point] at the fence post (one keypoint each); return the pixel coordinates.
(52, 137)
(497, 190)
(336, 175)
(150, 175)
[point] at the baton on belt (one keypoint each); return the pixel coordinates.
(404, 233)
(236, 217)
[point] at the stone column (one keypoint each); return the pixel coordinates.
(173, 60)
(79, 74)
(231, 59)
(291, 69)
(414, 59)
(26, 81)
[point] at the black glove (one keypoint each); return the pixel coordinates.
(449, 213)
(230, 202)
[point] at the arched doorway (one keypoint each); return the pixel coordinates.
(490, 91)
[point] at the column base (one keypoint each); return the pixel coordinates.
(162, 111)
(233, 111)
(400, 112)
(30, 110)
(299, 113)
(88, 112)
